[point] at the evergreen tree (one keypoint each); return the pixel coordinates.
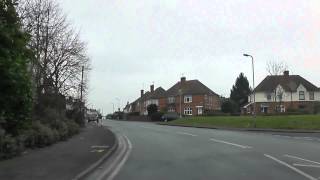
(15, 87)
(240, 91)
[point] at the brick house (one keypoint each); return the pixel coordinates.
(154, 96)
(194, 97)
(191, 98)
(283, 93)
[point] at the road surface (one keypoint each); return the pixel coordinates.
(164, 152)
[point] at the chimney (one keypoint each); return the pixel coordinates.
(141, 92)
(286, 73)
(152, 88)
(183, 79)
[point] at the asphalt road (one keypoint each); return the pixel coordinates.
(166, 152)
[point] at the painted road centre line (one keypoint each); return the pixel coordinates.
(229, 143)
(291, 167)
(188, 134)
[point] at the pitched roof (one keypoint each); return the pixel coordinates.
(288, 82)
(157, 93)
(191, 87)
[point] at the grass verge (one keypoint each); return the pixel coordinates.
(303, 122)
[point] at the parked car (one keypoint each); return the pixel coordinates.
(170, 116)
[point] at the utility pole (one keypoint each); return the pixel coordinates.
(81, 96)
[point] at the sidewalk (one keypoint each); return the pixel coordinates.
(63, 160)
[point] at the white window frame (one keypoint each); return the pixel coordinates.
(302, 93)
(187, 111)
(171, 99)
(187, 99)
(171, 109)
(311, 96)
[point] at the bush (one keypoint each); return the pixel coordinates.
(152, 108)
(42, 135)
(73, 128)
(9, 146)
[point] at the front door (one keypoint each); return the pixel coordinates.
(200, 111)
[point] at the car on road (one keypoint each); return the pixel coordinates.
(170, 116)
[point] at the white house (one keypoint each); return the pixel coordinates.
(282, 93)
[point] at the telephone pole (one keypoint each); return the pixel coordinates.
(81, 96)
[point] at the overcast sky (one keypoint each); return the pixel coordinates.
(134, 43)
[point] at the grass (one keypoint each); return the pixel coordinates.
(305, 122)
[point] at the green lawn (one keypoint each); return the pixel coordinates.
(307, 122)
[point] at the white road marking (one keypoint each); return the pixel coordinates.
(229, 143)
(295, 157)
(188, 134)
(306, 165)
(291, 167)
(116, 161)
(117, 169)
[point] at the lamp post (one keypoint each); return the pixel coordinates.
(254, 93)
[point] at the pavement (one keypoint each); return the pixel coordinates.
(62, 161)
(158, 152)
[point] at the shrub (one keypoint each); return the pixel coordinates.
(152, 108)
(73, 128)
(43, 135)
(9, 147)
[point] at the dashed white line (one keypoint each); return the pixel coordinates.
(229, 143)
(306, 165)
(188, 134)
(295, 157)
(291, 167)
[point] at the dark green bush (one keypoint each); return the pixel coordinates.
(43, 135)
(9, 146)
(73, 128)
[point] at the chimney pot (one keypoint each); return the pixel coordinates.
(142, 92)
(286, 73)
(183, 79)
(152, 88)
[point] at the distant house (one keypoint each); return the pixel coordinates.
(282, 93)
(192, 96)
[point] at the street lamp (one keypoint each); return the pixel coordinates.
(254, 93)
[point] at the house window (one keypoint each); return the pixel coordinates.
(280, 108)
(269, 96)
(188, 111)
(311, 95)
(171, 109)
(171, 100)
(301, 95)
(187, 99)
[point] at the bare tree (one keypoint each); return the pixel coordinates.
(276, 67)
(59, 52)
